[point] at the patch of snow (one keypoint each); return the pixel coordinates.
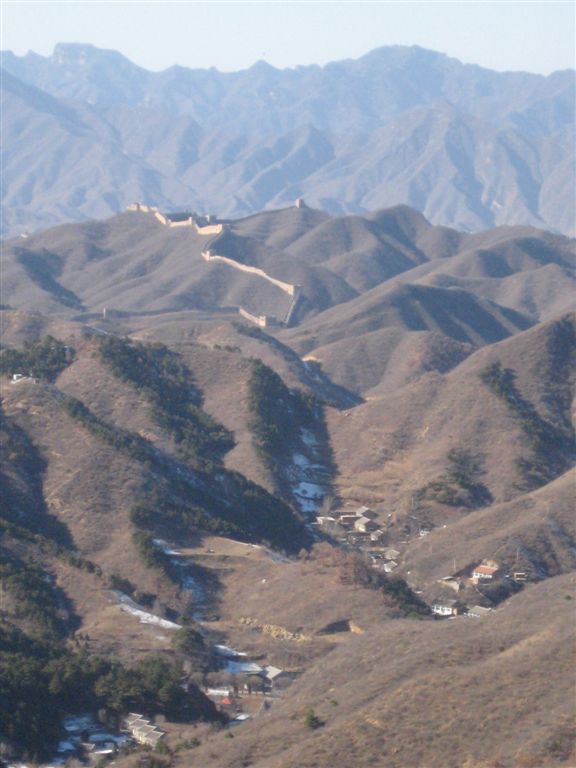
(237, 667)
(129, 606)
(301, 461)
(308, 506)
(106, 738)
(165, 547)
(79, 723)
(96, 738)
(189, 583)
(309, 490)
(309, 437)
(104, 751)
(65, 746)
(225, 650)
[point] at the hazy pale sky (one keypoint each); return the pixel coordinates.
(518, 34)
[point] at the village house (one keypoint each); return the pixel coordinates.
(390, 566)
(391, 554)
(452, 582)
(477, 611)
(377, 536)
(484, 573)
(366, 512)
(151, 738)
(447, 608)
(520, 576)
(364, 525)
(273, 674)
(325, 520)
(347, 520)
(142, 730)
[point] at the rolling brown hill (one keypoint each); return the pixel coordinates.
(406, 696)
(434, 392)
(77, 487)
(534, 531)
(133, 264)
(396, 442)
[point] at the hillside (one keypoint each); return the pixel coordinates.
(468, 147)
(377, 696)
(390, 448)
(173, 476)
(388, 269)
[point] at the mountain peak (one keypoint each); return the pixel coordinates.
(74, 52)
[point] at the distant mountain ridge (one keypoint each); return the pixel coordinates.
(468, 147)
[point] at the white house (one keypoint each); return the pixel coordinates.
(325, 520)
(446, 607)
(142, 730)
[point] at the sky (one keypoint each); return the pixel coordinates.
(156, 34)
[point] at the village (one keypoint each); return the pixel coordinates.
(361, 531)
(243, 690)
(240, 686)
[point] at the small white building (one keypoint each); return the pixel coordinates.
(446, 608)
(325, 520)
(142, 730)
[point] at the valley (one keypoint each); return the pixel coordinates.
(278, 533)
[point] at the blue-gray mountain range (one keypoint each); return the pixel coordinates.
(86, 131)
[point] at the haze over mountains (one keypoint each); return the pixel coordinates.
(292, 431)
(86, 132)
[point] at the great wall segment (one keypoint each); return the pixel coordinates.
(207, 225)
(204, 225)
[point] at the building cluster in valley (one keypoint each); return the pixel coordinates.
(358, 527)
(362, 530)
(244, 687)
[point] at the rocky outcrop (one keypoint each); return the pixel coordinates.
(275, 631)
